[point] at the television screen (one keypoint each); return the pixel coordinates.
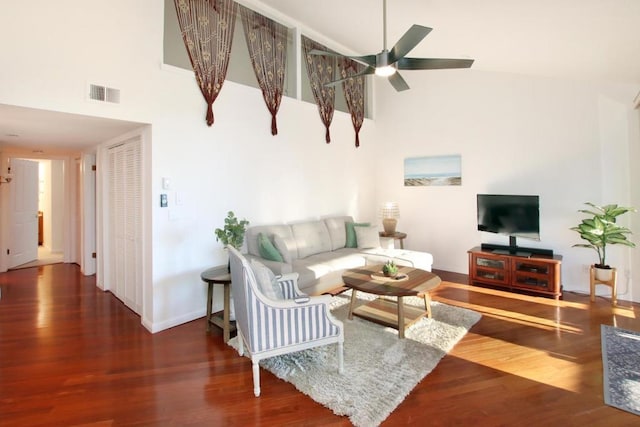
(511, 215)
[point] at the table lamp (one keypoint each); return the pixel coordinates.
(390, 215)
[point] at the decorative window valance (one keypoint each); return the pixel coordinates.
(353, 92)
(320, 69)
(207, 31)
(267, 44)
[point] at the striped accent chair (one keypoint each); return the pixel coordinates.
(268, 328)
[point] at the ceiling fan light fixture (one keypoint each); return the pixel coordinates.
(386, 71)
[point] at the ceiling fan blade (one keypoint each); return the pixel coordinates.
(432, 63)
(368, 70)
(408, 41)
(366, 59)
(398, 82)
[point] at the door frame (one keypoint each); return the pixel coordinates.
(87, 203)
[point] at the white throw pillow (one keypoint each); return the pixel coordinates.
(266, 281)
(282, 247)
(367, 237)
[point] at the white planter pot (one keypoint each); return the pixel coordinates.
(604, 274)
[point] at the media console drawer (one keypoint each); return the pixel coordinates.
(538, 274)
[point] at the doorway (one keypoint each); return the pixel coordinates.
(39, 192)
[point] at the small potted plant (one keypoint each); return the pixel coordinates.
(600, 230)
(232, 234)
(233, 231)
(390, 269)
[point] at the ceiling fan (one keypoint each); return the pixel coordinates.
(387, 62)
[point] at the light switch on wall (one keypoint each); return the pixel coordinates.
(166, 183)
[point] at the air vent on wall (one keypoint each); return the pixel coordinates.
(104, 94)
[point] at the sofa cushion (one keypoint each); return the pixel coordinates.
(311, 238)
(267, 250)
(367, 237)
(266, 281)
(330, 261)
(337, 230)
(416, 259)
(351, 241)
(286, 247)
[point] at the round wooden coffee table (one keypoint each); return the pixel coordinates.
(392, 313)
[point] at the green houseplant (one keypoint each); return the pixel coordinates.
(600, 229)
(232, 234)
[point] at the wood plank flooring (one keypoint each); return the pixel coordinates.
(71, 354)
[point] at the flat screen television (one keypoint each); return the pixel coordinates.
(511, 215)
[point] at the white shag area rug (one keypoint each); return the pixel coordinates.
(380, 369)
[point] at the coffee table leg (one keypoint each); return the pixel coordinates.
(427, 304)
(353, 303)
(400, 318)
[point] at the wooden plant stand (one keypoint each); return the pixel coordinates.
(611, 283)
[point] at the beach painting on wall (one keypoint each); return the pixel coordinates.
(433, 170)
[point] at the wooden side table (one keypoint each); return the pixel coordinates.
(611, 283)
(396, 236)
(216, 276)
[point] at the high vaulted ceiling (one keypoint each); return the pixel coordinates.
(577, 39)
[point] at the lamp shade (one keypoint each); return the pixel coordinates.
(390, 212)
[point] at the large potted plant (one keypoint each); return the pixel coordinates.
(232, 234)
(599, 230)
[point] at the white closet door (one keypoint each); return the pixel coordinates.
(125, 224)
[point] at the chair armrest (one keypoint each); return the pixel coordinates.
(288, 276)
(290, 303)
(289, 285)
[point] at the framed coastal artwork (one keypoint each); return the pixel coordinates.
(433, 170)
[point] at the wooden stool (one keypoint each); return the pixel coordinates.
(611, 283)
(214, 276)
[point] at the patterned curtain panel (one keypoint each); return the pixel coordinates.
(207, 31)
(267, 43)
(353, 92)
(321, 71)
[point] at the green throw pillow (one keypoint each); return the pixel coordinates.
(267, 250)
(352, 242)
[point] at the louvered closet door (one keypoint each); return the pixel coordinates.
(125, 224)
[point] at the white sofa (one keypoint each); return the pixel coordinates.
(317, 250)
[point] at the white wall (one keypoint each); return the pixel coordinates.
(568, 142)
(61, 47)
(237, 165)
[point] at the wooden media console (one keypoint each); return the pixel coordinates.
(535, 273)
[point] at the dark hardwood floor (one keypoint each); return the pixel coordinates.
(71, 354)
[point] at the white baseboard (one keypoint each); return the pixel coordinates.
(170, 323)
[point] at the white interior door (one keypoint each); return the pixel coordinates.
(23, 204)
